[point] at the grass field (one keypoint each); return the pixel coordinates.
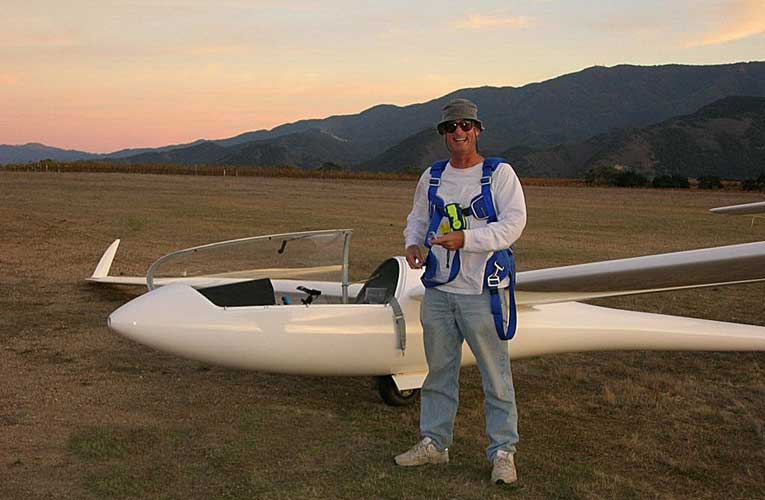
(87, 414)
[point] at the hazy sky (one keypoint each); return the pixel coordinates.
(103, 75)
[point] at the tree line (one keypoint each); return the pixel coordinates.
(624, 177)
(614, 176)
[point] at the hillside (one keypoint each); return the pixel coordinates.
(725, 138)
(421, 149)
(569, 108)
(308, 149)
(32, 152)
(26, 153)
(204, 152)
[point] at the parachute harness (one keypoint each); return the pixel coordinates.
(500, 265)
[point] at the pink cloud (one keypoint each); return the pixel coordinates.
(205, 50)
(739, 19)
(480, 22)
(8, 79)
(12, 40)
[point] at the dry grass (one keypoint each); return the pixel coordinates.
(86, 414)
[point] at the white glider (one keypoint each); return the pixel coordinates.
(373, 328)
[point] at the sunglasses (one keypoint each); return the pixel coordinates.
(451, 127)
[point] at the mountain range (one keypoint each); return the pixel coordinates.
(526, 121)
(724, 139)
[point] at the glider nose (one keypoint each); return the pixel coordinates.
(121, 321)
(130, 320)
(158, 316)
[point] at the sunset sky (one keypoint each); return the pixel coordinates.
(105, 75)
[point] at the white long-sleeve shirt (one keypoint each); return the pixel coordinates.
(462, 185)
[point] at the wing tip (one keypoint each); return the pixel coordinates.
(105, 263)
(757, 207)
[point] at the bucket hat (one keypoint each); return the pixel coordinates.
(459, 109)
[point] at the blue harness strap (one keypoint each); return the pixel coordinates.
(500, 265)
(437, 213)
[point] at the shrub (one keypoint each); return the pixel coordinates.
(412, 170)
(757, 184)
(612, 176)
(671, 181)
(628, 178)
(710, 182)
(601, 176)
(330, 167)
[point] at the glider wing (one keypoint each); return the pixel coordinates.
(745, 209)
(727, 265)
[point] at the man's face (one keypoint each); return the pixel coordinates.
(461, 141)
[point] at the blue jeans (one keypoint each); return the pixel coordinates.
(447, 320)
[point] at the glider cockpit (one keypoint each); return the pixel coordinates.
(272, 271)
(379, 288)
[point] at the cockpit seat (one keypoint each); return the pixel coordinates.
(246, 293)
(381, 285)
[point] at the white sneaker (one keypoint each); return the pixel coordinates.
(424, 452)
(504, 471)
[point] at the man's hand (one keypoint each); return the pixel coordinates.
(450, 241)
(414, 257)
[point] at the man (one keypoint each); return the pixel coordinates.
(448, 216)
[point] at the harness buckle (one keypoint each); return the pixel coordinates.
(493, 280)
(434, 182)
(485, 180)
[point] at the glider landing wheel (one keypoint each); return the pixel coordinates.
(391, 395)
